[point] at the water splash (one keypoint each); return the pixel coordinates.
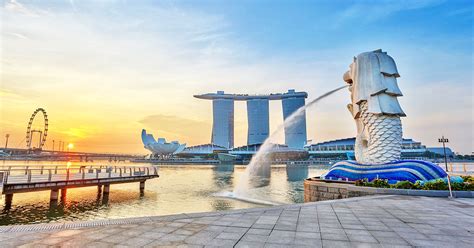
(258, 169)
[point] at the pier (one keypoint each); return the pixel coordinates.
(40, 155)
(60, 178)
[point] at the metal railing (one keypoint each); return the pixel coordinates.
(49, 173)
(467, 168)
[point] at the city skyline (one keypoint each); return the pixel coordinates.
(105, 70)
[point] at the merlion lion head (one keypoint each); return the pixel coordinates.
(372, 77)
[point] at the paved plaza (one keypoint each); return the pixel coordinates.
(373, 221)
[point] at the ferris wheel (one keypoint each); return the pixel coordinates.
(43, 132)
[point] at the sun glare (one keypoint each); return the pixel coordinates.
(70, 146)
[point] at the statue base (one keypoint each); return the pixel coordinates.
(402, 170)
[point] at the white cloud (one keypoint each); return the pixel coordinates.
(130, 61)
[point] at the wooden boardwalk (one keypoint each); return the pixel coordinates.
(39, 178)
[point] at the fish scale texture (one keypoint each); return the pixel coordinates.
(384, 138)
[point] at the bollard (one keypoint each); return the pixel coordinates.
(29, 176)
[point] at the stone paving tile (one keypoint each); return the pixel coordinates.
(336, 244)
(308, 228)
(263, 226)
(384, 234)
(361, 238)
(388, 221)
(309, 235)
(312, 242)
(334, 236)
(259, 231)
(332, 230)
(221, 243)
(255, 238)
(230, 235)
(179, 231)
(247, 244)
(392, 240)
(232, 229)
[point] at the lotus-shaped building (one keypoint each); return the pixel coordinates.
(161, 148)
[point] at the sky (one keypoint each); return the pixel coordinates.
(103, 70)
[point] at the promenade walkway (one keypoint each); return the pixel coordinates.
(374, 221)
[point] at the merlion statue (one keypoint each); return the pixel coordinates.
(373, 84)
(372, 78)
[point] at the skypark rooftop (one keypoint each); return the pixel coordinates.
(245, 97)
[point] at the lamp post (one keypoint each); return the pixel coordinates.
(6, 142)
(444, 140)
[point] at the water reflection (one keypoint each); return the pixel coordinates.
(296, 173)
(223, 175)
(179, 189)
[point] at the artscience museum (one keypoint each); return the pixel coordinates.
(160, 148)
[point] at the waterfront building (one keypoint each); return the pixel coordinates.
(344, 149)
(258, 117)
(295, 135)
(160, 148)
(258, 121)
(440, 151)
(204, 150)
(278, 152)
(223, 122)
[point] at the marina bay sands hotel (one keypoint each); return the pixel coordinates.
(258, 117)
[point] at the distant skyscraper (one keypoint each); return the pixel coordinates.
(258, 117)
(258, 120)
(295, 135)
(223, 122)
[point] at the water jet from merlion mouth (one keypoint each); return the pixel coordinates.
(260, 165)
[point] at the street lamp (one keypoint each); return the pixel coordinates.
(444, 140)
(6, 142)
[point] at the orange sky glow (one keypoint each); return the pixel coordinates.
(102, 78)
